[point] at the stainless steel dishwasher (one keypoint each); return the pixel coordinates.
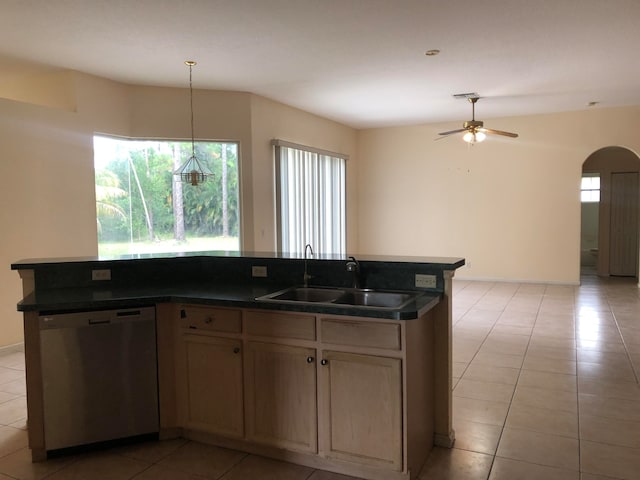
(100, 379)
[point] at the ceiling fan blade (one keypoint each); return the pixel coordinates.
(451, 132)
(498, 132)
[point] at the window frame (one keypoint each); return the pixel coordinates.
(586, 194)
(238, 192)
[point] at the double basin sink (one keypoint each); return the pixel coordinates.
(354, 297)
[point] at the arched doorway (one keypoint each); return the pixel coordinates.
(610, 228)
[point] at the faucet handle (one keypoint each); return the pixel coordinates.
(354, 268)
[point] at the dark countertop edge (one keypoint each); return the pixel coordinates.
(447, 263)
(414, 310)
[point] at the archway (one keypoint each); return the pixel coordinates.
(610, 228)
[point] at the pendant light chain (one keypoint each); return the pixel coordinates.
(192, 171)
(193, 140)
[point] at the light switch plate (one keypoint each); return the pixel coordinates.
(258, 271)
(425, 281)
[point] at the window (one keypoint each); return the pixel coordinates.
(590, 188)
(141, 207)
(310, 199)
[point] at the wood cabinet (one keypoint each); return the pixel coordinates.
(330, 392)
(210, 369)
(362, 408)
(214, 384)
(281, 396)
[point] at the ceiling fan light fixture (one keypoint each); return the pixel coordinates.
(474, 130)
(474, 137)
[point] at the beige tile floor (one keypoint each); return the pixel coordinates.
(545, 387)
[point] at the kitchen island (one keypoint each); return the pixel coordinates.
(356, 389)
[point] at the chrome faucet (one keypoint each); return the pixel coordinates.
(306, 276)
(354, 267)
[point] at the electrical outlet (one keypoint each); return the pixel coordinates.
(425, 281)
(104, 274)
(258, 271)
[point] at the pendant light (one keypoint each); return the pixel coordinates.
(192, 171)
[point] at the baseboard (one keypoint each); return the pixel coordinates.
(16, 347)
(515, 280)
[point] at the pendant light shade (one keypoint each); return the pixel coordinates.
(193, 171)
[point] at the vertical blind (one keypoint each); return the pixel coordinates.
(310, 197)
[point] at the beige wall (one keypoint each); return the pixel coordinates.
(164, 113)
(510, 207)
(47, 195)
(271, 120)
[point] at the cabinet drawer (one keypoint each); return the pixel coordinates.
(361, 333)
(214, 319)
(283, 325)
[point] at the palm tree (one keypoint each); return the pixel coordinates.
(107, 189)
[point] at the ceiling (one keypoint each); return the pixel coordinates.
(359, 62)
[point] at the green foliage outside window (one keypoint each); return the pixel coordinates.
(142, 207)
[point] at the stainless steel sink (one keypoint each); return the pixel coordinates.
(305, 294)
(343, 297)
(372, 298)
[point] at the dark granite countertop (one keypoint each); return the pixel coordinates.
(227, 279)
(225, 295)
(448, 263)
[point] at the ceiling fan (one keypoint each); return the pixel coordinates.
(474, 129)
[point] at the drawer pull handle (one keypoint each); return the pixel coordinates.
(236, 350)
(324, 361)
(309, 359)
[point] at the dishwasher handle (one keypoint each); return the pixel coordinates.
(99, 321)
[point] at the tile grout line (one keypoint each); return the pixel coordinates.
(624, 342)
(575, 334)
(504, 425)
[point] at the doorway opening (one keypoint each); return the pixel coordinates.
(610, 209)
(590, 219)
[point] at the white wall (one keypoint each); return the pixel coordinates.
(511, 207)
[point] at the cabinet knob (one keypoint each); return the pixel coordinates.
(309, 359)
(324, 361)
(208, 320)
(236, 350)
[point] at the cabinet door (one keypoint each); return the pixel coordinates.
(214, 390)
(362, 409)
(281, 396)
